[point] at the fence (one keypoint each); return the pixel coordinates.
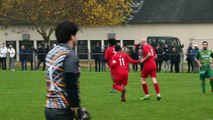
(87, 64)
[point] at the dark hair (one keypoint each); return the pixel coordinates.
(111, 41)
(205, 42)
(117, 48)
(64, 31)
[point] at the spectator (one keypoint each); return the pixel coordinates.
(194, 52)
(4, 56)
(135, 56)
(1, 57)
(32, 57)
(46, 49)
(11, 52)
(166, 57)
(125, 49)
(190, 58)
(103, 61)
(97, 54)
(159, 60)
(23, 58)
(154, 43)
(175, 60)
(41, 56)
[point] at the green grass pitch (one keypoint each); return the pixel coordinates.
(22, 97)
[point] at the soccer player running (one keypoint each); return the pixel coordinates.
(202, 58)
(150, 69)
(62, 77)
(110, 51)
(120, 69)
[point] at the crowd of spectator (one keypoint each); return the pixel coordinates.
(168, 57)
(25, 54)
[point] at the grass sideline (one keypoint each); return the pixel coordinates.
(23, 97)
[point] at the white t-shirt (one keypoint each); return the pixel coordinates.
(4, 52)
(12, 52)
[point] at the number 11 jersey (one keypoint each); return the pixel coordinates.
(120, 65)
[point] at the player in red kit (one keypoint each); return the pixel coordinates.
(150, 69)
(110, 51)
(120, 69)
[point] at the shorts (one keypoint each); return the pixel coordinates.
(205, 72)
(121, 82)
(59, 114)
(148, 72)
(121, 75)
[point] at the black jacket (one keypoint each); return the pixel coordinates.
(41, 53)
(135, 55)
(159, 53)
(23, 54)
(97, 53)
(166, 54)
(175, 57)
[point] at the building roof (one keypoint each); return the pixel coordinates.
(172, 11)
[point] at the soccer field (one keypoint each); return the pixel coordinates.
(23, 97)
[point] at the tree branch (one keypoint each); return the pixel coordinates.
(38, 30)
(52, 29)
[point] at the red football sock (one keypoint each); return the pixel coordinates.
(157, 89)
(119, 88)
(145, 89)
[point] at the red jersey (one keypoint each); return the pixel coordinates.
(110, 51)
(120, 65)
(150, 62)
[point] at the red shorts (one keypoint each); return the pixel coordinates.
(149, 72)
(119, 76)
(121, 82)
